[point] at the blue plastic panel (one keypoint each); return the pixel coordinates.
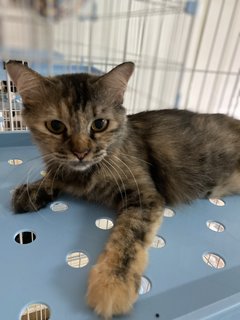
(183, 286)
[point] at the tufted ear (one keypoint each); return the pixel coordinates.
(116, 80)
(29, 83)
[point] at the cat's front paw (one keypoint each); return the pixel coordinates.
(110, 292)
(30, 197)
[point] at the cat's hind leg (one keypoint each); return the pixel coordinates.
(228, 186)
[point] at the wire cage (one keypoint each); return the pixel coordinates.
(186, 52)
(187, 57)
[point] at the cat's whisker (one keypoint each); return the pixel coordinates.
(129, 156)
(114, 163)
(122, 182)
(30, 171)
(54, 157)
(23, 164)
(104, 163)
(43, 180)
(55, 175)
(52, 163)
(27, 184)
(49, 162)
(36, 165)
(135, 181)
(29, 197)
(31, 159)
(102, 170)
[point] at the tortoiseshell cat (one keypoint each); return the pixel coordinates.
(134, 164)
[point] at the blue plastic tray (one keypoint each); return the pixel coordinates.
(182, 285)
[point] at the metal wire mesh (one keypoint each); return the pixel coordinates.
(186, 52)
(36, 312)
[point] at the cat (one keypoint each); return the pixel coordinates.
(134, 164)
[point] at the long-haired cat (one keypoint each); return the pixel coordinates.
(134, 164)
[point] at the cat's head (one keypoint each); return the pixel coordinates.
(76, 119)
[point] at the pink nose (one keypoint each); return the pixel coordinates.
(81, 155)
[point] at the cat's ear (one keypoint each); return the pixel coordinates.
(117, 79)
(29, 83)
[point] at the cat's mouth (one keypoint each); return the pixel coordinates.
(83, 165)
(72, 162)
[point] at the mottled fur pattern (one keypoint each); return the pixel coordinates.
(133, 164)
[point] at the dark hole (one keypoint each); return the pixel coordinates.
(25, 237)
(157, 315)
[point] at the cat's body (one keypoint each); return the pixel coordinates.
(192, 155)
(134, 164)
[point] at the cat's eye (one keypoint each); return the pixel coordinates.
(55, 126)
(99, 125)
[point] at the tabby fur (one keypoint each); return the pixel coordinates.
(136, 165)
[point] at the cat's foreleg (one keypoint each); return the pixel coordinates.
(33, 196)
(115, 280)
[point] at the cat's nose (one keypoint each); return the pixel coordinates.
(81, 155)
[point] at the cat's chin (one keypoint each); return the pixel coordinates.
(79, 166)
(84, 166)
